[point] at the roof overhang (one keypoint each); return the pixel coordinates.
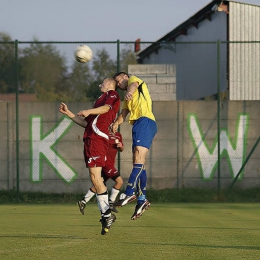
(193, 21)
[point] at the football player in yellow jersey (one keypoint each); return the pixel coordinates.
(138, 104)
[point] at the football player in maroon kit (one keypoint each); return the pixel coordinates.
(108, 172)
(96, 122)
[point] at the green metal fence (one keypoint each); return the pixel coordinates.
(202, 142)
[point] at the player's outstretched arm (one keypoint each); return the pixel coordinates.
(94, 111)
(63, 108)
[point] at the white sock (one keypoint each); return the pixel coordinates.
(89, 195)
(99, 206)
(113, 195)
(103, 205)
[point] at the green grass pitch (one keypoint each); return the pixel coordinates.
(165, 231)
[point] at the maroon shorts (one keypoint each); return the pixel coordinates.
(95, 151)
(109, 173)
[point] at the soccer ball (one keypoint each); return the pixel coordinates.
(83, 53)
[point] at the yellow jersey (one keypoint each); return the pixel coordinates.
(141, 103)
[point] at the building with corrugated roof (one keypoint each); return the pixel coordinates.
(216, 48)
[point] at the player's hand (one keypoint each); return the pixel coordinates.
(115, 127)
(83, 113)
(128, 96)
(63, 108)
(119, 145)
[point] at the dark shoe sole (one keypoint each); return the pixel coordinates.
(118, 204)
(105, 230)
(134, 217)
(80, 209)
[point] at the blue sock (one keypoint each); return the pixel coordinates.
(142, 187)
(134, 179)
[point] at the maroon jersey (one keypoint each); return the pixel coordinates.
(98, 125)
(114, 138)
(109, 171)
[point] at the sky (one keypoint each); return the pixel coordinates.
(95, 20)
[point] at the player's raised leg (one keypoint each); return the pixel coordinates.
(102, 198)
(82, 203)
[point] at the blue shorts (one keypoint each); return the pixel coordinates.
(143, 132)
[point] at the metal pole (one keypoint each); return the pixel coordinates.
(8, 147)
(218, 107)
(118, 69)
(178, 142)
(17, 121)
(118, 56)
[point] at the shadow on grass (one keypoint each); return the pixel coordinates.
(40, 236)
(219, 246)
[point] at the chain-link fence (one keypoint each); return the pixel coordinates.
(206, 104)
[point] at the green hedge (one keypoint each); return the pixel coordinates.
(165, 195)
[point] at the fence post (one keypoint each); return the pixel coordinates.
(17, 123)
(118, 65)
(178, 143)
(218, 123)
(8, 146)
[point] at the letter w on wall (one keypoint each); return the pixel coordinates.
(234, 150)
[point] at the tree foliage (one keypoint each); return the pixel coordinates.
(80, 81)
(44, 71)
(7, 64)
(103, 67)
(127, 56)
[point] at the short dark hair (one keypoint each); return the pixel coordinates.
(121, 72)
